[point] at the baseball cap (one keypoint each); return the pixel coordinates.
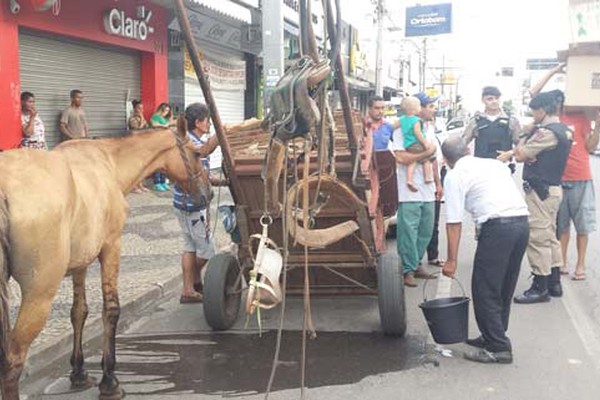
(491, 91)
(424, 99)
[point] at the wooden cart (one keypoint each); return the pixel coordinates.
(359, 264)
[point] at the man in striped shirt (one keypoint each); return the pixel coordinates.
(194, 218)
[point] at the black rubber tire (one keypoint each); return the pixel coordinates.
(221, 300)
(390, 292)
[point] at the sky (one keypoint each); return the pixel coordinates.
(487, 34)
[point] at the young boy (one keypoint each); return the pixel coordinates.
(414, 141)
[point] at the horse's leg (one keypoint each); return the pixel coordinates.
(109, 260)
(79, 313)
(36, 302)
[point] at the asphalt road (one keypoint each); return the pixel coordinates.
(170, 352)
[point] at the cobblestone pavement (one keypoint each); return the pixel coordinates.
(150, 257)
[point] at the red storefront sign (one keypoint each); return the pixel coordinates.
(131, 24)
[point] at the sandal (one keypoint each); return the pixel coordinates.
(438, 262)
(190, 298)
(564, 271)
(578, 277)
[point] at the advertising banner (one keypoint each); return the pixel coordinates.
(428, 20)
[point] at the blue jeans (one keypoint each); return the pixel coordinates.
(159, 178)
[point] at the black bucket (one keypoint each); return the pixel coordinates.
(447, 318)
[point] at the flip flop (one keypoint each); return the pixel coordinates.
(564, 271)
(190, 298)
(578, 277)
(437, 262)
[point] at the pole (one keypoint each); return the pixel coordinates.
(379, 52)
(342, 84)
(423, 65)
(228, 162)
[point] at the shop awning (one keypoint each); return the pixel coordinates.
(224, 7)
(358, 84)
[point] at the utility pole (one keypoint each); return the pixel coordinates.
(379, 51)
(272, 27)
(423, 66)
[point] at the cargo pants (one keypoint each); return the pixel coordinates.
(543, 249)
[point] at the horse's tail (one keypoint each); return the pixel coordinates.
(4, 275)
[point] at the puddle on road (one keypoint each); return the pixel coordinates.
(234, 364)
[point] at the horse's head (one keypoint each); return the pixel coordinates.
(185, 166)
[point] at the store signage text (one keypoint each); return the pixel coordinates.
(119, 24)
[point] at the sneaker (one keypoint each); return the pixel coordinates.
(488, 357)
(158, 187)
(166, 186)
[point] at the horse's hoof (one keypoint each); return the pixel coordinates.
(120, 393)
(83, 382)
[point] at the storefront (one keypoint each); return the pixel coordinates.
(112, 50)
(220, 41)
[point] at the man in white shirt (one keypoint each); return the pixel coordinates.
(416, 210)
(485, 189)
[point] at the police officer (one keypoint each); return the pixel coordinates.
(494, 131)
(544, 151)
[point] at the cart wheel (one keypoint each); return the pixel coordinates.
(392, 307)
(221, 299)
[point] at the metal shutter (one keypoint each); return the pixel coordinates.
(51, 68)
(230, 103)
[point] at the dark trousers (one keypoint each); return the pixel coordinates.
(500, 249)
(159, 177)
(433, 251)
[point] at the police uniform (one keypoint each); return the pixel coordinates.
(548, 149)
(492, 134)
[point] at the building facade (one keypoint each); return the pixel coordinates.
(113, 51)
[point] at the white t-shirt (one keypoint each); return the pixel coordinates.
(484, 188)
(426, 192)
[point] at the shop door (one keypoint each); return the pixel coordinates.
(227, 80)
(229, 103)
(51, 68)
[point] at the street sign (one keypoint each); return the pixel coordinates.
(428, 20)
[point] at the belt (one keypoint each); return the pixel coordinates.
(507, 220)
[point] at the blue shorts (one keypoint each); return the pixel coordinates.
(578, 205)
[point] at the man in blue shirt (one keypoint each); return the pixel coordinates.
(381, 130)
(194, 218)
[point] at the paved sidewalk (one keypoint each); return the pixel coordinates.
(150, 266)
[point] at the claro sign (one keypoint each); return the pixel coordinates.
(116, 22)
(429, 20)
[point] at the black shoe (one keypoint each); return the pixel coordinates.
(537, 293)
(478, 342)
(488, 357)
(554, 286)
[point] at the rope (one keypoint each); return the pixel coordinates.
(285, 249)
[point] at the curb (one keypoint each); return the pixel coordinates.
(45, 359)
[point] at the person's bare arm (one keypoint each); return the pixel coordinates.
(535, 89)
(65, 131)
(592, 141)
(28, 128)
(453, 232)
(208, 147)
(405, 158)
(469, 132)
(439, 191)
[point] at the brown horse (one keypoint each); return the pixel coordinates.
(59, 211)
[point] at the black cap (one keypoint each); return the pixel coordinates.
(491, 91)
(546, 100)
